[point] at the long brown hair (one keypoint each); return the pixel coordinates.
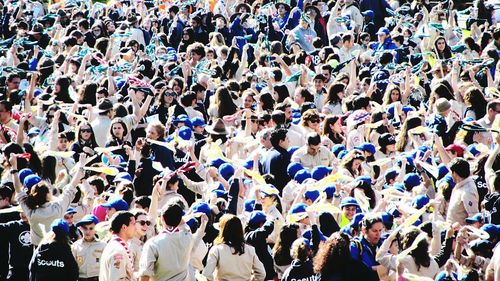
(231, 233)
(333, 255)
(37, 196)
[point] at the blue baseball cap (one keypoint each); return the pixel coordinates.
(268, 189)
(390, 174)
(182, 118)
(411, 180)
(256, 217)
(302, 175)
(475, 218)
(383, 30)
(367, 147)
(70, 211)
(293, 168)
(198, 122)
(248, 164)
(33, 131)
(201, 207)
(330, 191)
(356, 220)
(399, 186)
(219, 193)
(442, 170)
(249, 205)
(336, 149)
(123, 177)
(320, 172)
(226, 170)
(342, 154)
(420, 201)
(443, 276)
(60, 226)
(492, 230)
(308, 235)
(349, 201)
(387, 219)
(312, 195)
(87, 219)
(215, 162)
(298, 208)
(117, 203)
(446, 180)
(24, 173)
(364, 181)
(30, 180)
(394, 212)
(185, 133)
(368, 13)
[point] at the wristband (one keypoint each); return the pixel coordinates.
(14, 172)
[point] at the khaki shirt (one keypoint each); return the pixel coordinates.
(463, 202)
(115, 264)
(323, 157)
(167, 255)
(88, 256)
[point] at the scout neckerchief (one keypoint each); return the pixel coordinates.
(125, 246)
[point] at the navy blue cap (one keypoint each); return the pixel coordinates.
(336, 149)
(446, 180)
(298, 208)
(219, 193)
(256, 217)
(249, 205)
(201, 207)
(356, 220)
(216, 162)
(31, 180)
(185, 133)
(349, 201)
(118, 204)
(293, 168)
(60, 226)
(399, 186)
(390, 174)
(248, 164)
(123, 176)
(411, 180)
(330, 191)
(226, 170)
(367, 147)
(342, 154)
(308, 235)
(88, 219)
(420, 201)
(292, 149)
(475, 218)
(197, 122)
(320, 172)
(302, 175)
(24, 173)
(70, 211)
(442, 170)
(182, 118)
(387, 219)
(394, 212)
(383, 30)
(312, 195)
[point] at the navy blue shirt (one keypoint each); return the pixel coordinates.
(275, 162)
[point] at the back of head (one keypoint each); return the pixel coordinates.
(120, 219)
(172, 214)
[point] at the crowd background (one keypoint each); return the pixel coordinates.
(249, 140)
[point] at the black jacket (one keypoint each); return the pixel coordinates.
(299, 270)
(257, 238)
(275, 162)
(53, 261)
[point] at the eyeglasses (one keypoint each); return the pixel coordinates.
(315, 121)
(86, 130)
(142, 223)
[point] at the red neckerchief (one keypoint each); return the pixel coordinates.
(170, 230)
(119, 240)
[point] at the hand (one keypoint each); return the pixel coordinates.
(204, 219)
(88, 150)
(13, 161)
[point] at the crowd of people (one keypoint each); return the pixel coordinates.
(249, 140)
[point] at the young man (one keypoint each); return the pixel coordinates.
(116, 260)
(166, 256)
(464, 197)
(88, 250)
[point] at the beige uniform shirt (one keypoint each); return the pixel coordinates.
(463, 202)
(166, 256)
(115, 264)
(231, 267)
(88, 256)
(323, 157)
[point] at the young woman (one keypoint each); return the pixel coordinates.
(310, 121)
(332, 130)
(231, 256)
(61, 90)
(223, 104)
(85, 141)
(302, 266)
(118, 137)
(333, 102)
(475, 102)
(351, 164)
(166, 99)
(442, 49)
(281, 250)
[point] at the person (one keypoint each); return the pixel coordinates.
(302, 266)
(88, 249)
(52, 259)
(364, 247)
(333, 261)
(464, 197)
(231, 256)
(116, 260)
(313, 153)
(277, 159)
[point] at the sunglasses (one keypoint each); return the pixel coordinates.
(315, 121)
(86, 130)
(142, 223)
(169, 94)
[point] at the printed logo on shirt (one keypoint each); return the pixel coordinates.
(25, 238)
(470, 203)
(54, 263)
(117, 260)
(312, 278)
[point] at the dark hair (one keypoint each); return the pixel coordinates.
(361, 102)
(172, 214)
(277, 136)
(461, 167)
(49, 168)
(98, 183)
(267, 101)
(333, 256)
(37, 196)
(333, 93)
(231, 233)
(370, 220)
(6, 191)
(144, 201)
(419, 254)
(63, 95)
(306, 94)
(281, 250)
(313, 139)
(278, 117)
(119, 219)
